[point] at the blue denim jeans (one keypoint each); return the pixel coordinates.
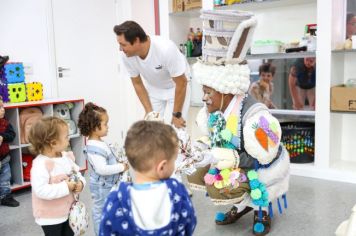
(99, 193)
(5, 176)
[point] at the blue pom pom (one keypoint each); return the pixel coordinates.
(254, 183)
(219, 216)
(262, 187)
(258, 227)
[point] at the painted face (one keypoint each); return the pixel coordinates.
(128, 48)
(212, 99)
(104, 128)
(309, 62)
(266, 77)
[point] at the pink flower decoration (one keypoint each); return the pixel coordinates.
(209, 179)
(218, 177)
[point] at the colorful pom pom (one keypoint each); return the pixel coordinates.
(258, 227)
(254, 184)
(219, 216)
(218, 177)
(213, 171)
(252, 175)
(209, 179)
(225, 173)
(242, 178)
(219, 184)
(256, 194)
(226, 135)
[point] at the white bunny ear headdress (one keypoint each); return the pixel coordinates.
(227, 36)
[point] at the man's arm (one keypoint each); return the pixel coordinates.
(142, 93)
(179, 97)
(292, 79)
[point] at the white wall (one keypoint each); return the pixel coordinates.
(24, 38)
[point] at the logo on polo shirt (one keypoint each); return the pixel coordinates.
(159, 67)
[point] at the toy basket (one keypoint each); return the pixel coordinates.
(298, 138)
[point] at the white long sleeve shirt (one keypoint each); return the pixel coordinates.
(41, 186)
(99, 162)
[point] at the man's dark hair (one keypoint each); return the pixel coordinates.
(267, 68)
(131, 30)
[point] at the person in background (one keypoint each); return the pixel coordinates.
(350, 25)
(7, 135)
(104, 168)
(302, 83)
(154, 204)
(52, 169)
(262, 89)
(162, 66)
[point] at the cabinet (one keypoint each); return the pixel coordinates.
(17, 149)
(335, 158)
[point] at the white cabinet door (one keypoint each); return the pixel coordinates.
(86, 55)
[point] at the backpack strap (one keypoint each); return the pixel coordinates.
(96, 151)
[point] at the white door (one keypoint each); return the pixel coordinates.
(86, 56)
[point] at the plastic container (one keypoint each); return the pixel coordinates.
(266, 46)
(298, 138)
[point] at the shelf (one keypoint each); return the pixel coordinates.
(280, 55)
(292, 115)
(344, 51)
(26, 184)
(40, 103)
(23, 145)
(262, 5)
(189, 13)
(12, 147)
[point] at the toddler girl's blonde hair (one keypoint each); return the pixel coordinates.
(44, 132)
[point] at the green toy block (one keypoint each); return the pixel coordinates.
(17, 92)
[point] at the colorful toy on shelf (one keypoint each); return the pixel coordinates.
(17, 92)
(14, 73)
(63, 111)
(34, 91)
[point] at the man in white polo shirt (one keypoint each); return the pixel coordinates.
(162, 66)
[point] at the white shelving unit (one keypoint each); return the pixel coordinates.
(12, 112)
(335, 158)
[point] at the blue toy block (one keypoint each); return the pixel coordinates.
(14, 73)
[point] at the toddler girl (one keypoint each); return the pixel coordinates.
(52, 189)
(105, 169)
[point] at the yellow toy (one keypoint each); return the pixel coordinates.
(34, 91)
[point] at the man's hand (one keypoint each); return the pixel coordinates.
(1, 139)
(178, 122)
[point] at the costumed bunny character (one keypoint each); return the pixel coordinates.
(247, 165)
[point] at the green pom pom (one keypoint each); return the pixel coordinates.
(226, 135)
(252, 175)
(256, 194)
(225, 173)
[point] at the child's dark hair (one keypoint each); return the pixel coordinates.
(44, 132)
(267, 68)
(90, 118)
(146, 140)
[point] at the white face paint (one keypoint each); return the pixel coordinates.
(209, 102)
